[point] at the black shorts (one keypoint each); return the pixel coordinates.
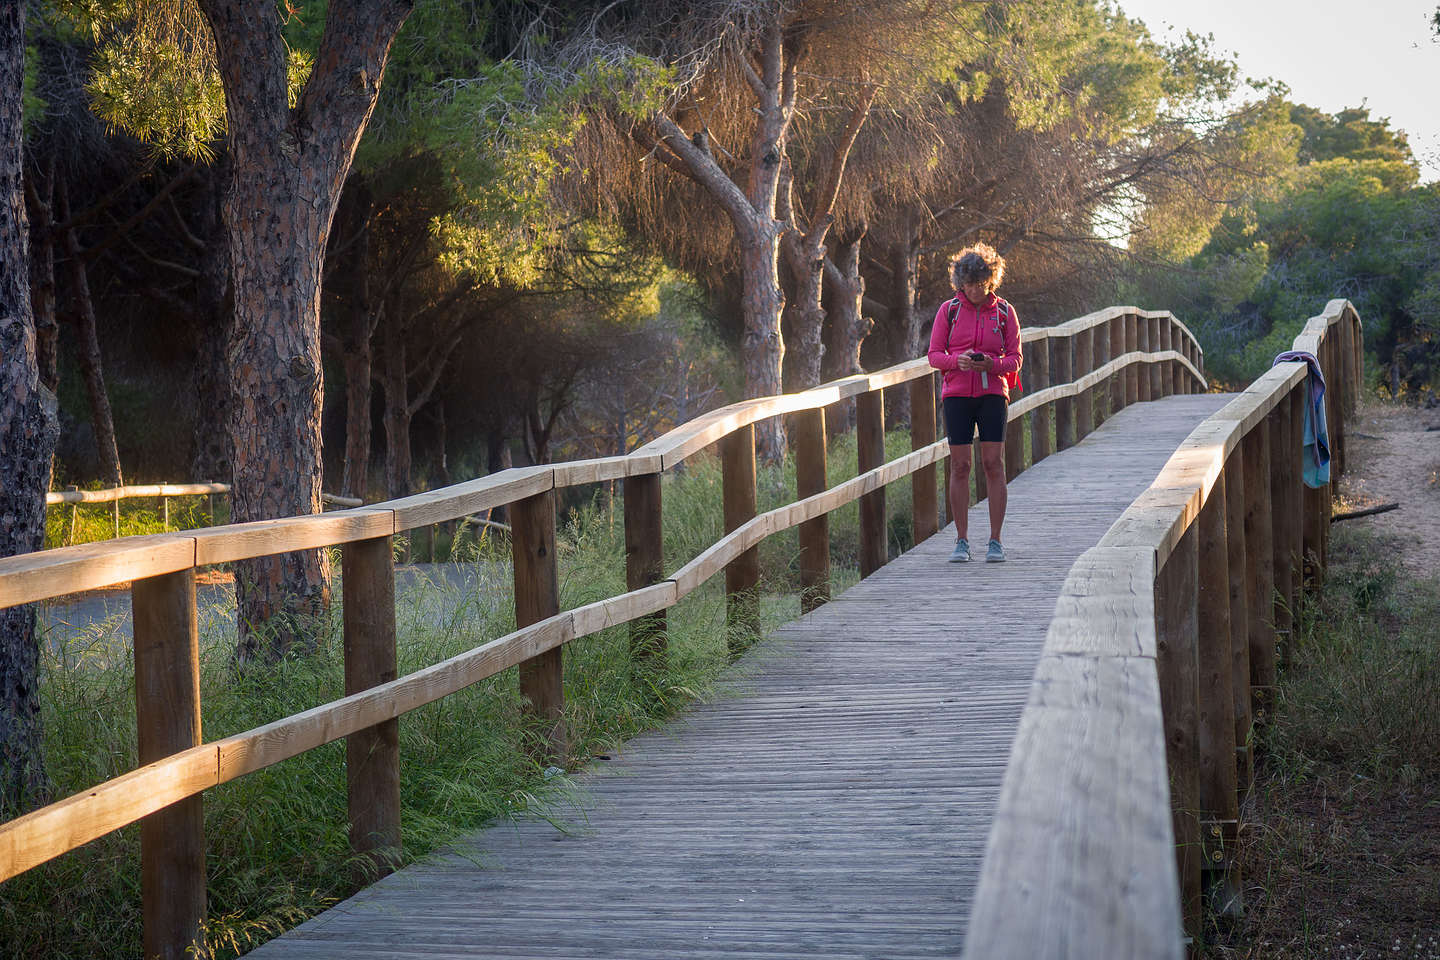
(963, 414)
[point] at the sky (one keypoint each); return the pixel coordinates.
(1331, 53)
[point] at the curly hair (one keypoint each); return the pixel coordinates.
(977, 264)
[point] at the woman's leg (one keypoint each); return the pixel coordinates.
(992, 457)
(959, 491)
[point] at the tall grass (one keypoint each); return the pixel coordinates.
(277, 845)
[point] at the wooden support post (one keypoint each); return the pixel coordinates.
(1177, 665)
(537, 596)
(645, 560)
(810, 479)
(165, 511)
(115, 504)
(870, 441)
(1142, 343)
(1157, 377)
(167, 720)
(1259, 567)
(1014, 448)
(372, 755)
(1236, 472)
(1132, 372)
(1085, 403)
(1037, 363)
(1167, 369)
(1061, 363)
(1297, 500)
(1284, 498)
(1117, 349)
(926, 511)
(1217, 703)
(742, 575)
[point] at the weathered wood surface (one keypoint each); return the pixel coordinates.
(836, 802)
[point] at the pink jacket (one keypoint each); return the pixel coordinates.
(984, 329)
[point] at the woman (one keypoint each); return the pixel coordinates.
(975, 343)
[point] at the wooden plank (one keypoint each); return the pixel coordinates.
(599, 470)
(645, 559)
(632, 607)
(1038, 364)
(742, 575)
(870, 447)
(1259, 569)
(472, 496)
(925, 512)
(372, 755)
(1178, 668)
(1132, 345)
(537, 598)
(167, 721)
(263, 538)
(1235, 487)
(46, 833)
(1107, 605)
(810, 480)
(1142, 344)
(55, 573)
(1085, 400)
(1060, 363)
(1089, 751)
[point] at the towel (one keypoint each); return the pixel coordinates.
(1316, 461)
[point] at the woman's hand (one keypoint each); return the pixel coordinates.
(984, 365)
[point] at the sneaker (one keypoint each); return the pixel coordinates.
(994, 553)
(962, 551)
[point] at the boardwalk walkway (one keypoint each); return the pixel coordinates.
(836, 805)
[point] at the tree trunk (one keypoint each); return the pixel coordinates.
(359, 322)
(286, 170)
(87, 353)
(28, 429)
(42, 278)
(905, 288)
(849, 326)
(210, 458)
(394, 380)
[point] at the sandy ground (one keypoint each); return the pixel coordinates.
(1394, 457)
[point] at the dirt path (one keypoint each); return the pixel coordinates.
(1394, 457)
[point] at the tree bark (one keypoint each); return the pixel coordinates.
(28, 429)
(210, 457)
(87, 353)
(849, 326)
(395, 382)
(286, 170)
(42, 276)
(359, 324)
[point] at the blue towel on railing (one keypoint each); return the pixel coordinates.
(1317, 438)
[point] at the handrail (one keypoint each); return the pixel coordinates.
(183, 769)
(1162, 643)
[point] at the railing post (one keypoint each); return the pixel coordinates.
(1142, 343)
(1014, 448)
(372, 755)
(1085, 402)
(742, 575)
(1132, 372)
(645, 560)
(167, 720)
(926, 512)
(1117, 350)
(537, 597)
(1157, 380)
(1061, 364)
(811, 479)
(870, 440)
(1037, 367)
(1283, 497)
(1299, 396)
(1218, 797)
(1236, 473)
(1167, 369)
(977, 472)
(1259, 566)
(1177, 665)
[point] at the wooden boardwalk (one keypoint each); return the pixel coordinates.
(836, 804)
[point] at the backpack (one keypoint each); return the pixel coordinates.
(1002, 308)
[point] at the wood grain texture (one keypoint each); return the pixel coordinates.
(870, 449)
(262, 538)
(167, 720)
(537, 598)
(924, 497)
(55, 573)
(836, 798)
(645, 558)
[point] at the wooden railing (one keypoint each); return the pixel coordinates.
(1134, 749)
(160, 491)
(1077, 372)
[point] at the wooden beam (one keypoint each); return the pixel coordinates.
(1085, 401)
(1132, 373)
(645, 560)
(1238, 565)
(372, 755)
(1061, 362)
(742, 575)
(870, 443)
(167, 720)
(1259, 569)
(537, 597)
(1037, 366)
(1117, 350)
(923, 495)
